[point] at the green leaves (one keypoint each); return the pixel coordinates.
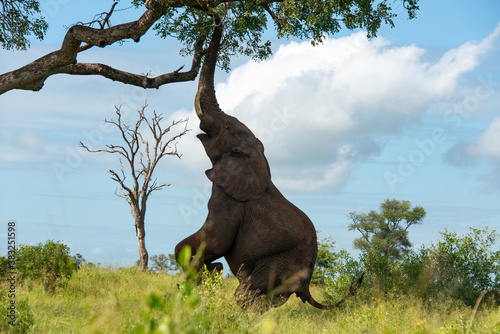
(18, 19)
(386, 232)
(466, 265)
(184, 257)
(174, 313)
(245, 22)
(49, 262)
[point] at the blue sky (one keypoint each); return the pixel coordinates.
(412, 114)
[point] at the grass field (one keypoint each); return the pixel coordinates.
(123, 300)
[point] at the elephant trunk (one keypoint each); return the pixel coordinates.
(206, 100)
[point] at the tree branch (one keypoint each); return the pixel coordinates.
(273, 15)
(33, 75)
(102, 24)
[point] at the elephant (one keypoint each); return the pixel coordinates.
(269, 244)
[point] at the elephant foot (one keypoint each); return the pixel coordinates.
(278, 299)
(254, 299)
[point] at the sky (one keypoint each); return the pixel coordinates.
(413, 114)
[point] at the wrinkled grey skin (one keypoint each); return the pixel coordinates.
(269, 244)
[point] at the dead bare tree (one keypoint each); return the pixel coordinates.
(138, 160)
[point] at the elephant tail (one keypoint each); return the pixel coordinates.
(353, 289)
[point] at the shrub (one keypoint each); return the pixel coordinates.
(465, 266)
(49, 262)
(335, 271)
(341, 275)
(414, 271)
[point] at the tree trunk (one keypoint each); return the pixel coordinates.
(141, 242)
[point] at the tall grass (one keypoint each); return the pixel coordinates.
(108, 300)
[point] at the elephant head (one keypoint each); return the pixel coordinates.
(237, 156)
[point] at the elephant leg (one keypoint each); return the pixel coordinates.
(279, 299)
(247, 296)
(215, 268)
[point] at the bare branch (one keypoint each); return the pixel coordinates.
(121, 181)
(102, 24)
(112, 149)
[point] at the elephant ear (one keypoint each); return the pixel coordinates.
(243, 173)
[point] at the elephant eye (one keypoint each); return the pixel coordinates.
(238, 154)
(227, 127)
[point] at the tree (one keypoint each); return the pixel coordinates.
(141, 159)
(190, 22)
(386, 232)
(17, 20)
(79, 261)
(165, 263)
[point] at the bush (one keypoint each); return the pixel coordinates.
(457, 267)
(465, 266)
(49, 262)
(414, 271)
(334, 271)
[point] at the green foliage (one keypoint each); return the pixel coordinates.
(385, 233)
(384, 241)
(163, 263)
(465, 266)
(79, 261)
(413, 269)
(246, 21)
(115, 300)
(334, 271)
(456, 268)
(19, 19)
(244, 24)
(314, 19)
(3, 266)
(332, 266)
(177, 313)
(24, 318)
(49, 262)
(325, 260)
(176, 310)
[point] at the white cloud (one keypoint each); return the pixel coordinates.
(322, 110)
(488, 143)
(485, 151)
(23, 146)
